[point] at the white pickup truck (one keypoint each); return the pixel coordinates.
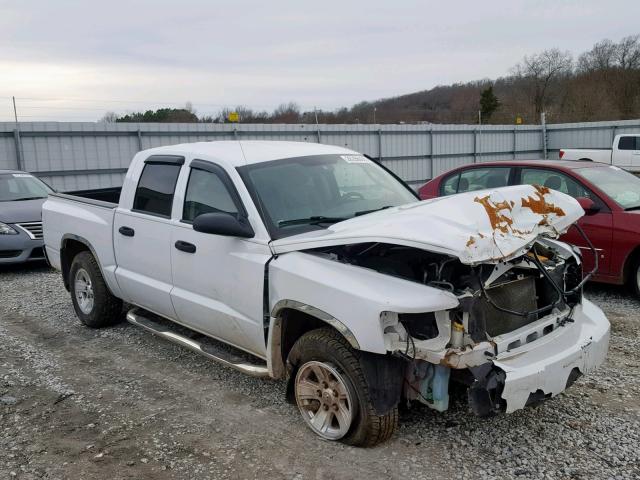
(624, 153)
(315, 264)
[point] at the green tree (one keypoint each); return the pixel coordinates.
(161, 115)
(489, 103)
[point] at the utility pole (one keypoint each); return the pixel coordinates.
(543, 122)
(15, 112)
(315, 112)
(476, 139)
(16, 136)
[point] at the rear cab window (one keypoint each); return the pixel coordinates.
(476, 179)
(157, 185)
(629, 143)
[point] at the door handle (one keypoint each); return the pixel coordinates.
(185, 246)
(127, 232)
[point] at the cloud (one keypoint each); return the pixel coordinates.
(257, 53)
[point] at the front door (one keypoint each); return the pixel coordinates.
(218, 281)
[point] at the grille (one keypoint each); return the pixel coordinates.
(33, 229)
(9, 253)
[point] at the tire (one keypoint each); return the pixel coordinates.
(633, 280)
(95, 306)
(326, 349)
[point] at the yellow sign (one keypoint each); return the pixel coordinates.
(518, 120)
(233, 117)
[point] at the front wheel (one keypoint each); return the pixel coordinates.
(332, 394)
(94, 304)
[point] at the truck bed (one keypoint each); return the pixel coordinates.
(103, 195)
(87, 217)
(602, 155)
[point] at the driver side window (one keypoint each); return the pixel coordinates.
(554, 180)
(206, 193)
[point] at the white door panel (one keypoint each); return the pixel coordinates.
(218, 290)
(144, 261)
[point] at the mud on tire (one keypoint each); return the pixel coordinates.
(105, 309)
(328, 346)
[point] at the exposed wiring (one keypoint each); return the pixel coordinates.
(417, 391)
(406, 350)
(562, 294)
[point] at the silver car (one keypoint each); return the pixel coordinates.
(21, 199)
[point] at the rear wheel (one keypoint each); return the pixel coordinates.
(94, 304)
(331, 391)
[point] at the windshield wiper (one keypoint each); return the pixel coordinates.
(315, 220)
(364, 212)
(628, 209)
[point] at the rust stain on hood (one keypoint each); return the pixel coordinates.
(513, 220)
(499, 221)
(540, 206)
(477, 227)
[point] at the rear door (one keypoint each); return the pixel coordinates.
(598, 227)
(142, 236)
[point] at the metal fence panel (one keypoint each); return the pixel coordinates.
(80, 155)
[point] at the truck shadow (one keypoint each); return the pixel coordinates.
(30, 267)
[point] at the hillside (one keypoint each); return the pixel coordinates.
(602, 84)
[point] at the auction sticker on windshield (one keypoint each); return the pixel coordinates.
(22, 175)
(355, 158)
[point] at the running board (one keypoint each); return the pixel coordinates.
(137, 317)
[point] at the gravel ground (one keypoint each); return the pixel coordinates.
(119, 403)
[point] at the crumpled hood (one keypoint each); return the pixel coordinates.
(481, 226)
(23, 211)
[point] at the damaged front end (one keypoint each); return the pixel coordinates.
(521, 331)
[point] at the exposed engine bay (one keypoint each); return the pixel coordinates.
(494, 299)
(501, 307)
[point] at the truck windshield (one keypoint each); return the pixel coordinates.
(300, 194)
(15, 187)
(623, 187)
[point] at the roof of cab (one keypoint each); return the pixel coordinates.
(244, 152)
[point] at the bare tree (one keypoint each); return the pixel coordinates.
(109, 117)
(542, 71)
(287, 113)
(602, 56)
(628, 53)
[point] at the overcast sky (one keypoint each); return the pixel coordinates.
(74, 60)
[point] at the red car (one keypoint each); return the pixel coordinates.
(609, 195)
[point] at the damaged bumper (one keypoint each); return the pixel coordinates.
(548, 366)
(523, 367)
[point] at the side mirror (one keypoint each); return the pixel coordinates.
(588, 205)
(223, 224)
